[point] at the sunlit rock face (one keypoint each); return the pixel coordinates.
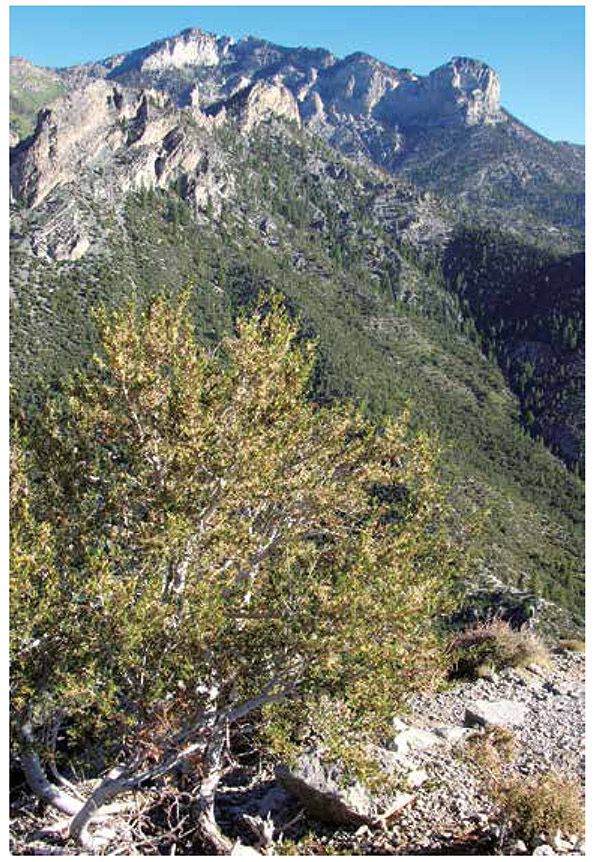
(256, 103)
(192, 47)
(79, 126)
(102, 141)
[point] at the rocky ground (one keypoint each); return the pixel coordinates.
(440, 810)
(446, 811)
(550, 737)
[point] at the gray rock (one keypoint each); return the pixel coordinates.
(329, 796)
(566, 689)
(452, 733)
(463, 90)
(416, 778)
(391, 763)
(536, 669)
(413, 739)
(502, 713)
(516, 848)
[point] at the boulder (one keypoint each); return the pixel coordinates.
(330, 796)
(502, 713)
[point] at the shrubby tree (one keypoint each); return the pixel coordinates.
(195, 541)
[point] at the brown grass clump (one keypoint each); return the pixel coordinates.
(491, 749)
(527, 807)
(542, 805)
(573, 644)
(494, 645)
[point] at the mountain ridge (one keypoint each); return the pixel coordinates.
(375, 112)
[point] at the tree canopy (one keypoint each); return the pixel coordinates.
(195, 540)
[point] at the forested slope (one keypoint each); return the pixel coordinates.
(359, 258)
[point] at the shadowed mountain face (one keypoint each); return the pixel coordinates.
(427, 239)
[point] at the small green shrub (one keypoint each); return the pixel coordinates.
(309, 844)
(238, 554)
(494, 645)
(541, 805)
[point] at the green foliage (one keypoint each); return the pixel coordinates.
(215, 540)
(525, 306)
(34, 585)
(390, 332)
(28, 94)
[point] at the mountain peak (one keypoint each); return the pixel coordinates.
(191, 47)
(360, 57)
(468, 89)
(469, 63)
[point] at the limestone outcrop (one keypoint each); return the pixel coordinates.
(357, 84)
(193, 47)
(85, 126)
(257, 103)
(463, 91)
(330, 796)
(102, 141)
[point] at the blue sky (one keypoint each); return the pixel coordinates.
(538, 51)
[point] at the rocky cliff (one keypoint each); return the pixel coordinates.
(256, 103)
(463, 92)
(447, 131)
(108, 140)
